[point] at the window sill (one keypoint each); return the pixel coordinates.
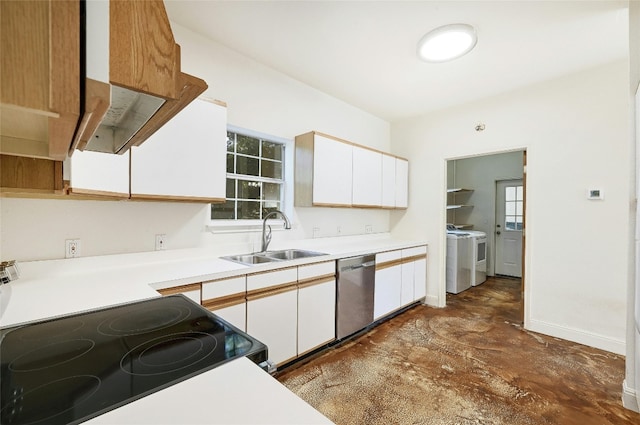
(242, 226)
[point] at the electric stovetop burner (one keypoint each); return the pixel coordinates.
(73, 368)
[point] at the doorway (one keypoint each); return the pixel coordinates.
(472, 193)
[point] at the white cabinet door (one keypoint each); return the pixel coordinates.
(186, 158)
(272, 319)
(332, 172)
(388, 291)
(420, 279)
(388, 285)
(316, 314)
(402, 183)
(235, 314)
(407, 293)
(388, 181)
(98, 173)
(367, 177)
(226, 298)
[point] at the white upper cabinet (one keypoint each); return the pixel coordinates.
(98, 174)
(332, 172)
(186, 158)
(402, 183)
(367, 177)
(388, 181)
(337, 173)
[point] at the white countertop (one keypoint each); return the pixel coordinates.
(250, 396)
(219, 396)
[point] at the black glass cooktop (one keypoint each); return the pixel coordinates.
(73, 368)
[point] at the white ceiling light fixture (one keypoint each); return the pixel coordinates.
(447, 42)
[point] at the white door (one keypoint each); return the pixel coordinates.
(508, 230)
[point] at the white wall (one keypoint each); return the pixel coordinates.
(631, 386)
(576, 133)
(258, 98)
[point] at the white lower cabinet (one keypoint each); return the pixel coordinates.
(272, 312)
(400, 279)
(388, 286)
(226, 298)
(414, 274)
(272, 319)
(316, 306)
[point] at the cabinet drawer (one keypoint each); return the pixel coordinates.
(389, 256)
(314, 271)
(414, 252)
(224, 287)
(272, 278)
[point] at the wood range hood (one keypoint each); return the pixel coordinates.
(133, 83)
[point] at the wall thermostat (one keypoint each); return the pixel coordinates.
(595, 194)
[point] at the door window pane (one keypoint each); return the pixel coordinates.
(513, 207)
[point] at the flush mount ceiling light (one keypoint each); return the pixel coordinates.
(447, 43)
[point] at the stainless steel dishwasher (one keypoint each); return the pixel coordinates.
(355, 291)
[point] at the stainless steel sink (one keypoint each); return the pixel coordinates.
(292, 254)
(271, 256)
(249, 259)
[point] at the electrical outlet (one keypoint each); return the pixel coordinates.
(161, 242)
(368, 228)
(72, 248)
(316, 232)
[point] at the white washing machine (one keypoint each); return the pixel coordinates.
(478, 253)
(459, 262)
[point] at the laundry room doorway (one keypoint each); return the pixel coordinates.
(472, 192)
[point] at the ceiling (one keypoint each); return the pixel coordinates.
(364, 52)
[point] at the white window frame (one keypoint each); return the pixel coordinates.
(239, 226)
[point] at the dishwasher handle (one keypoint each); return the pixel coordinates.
(347, 268)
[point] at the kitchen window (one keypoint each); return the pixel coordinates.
(256, 170)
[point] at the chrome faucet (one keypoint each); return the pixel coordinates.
(266, 237)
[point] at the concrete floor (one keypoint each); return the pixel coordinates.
(469, 363)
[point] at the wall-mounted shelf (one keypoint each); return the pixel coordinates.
(454, 196)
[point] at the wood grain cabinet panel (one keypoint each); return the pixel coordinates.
(39, 77)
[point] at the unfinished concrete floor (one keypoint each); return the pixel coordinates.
(469, 363)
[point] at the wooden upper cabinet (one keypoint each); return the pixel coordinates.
(142, 52)
(39, 77)
(133, 64)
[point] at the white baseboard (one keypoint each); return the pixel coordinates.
(629, 399)
(579, 336)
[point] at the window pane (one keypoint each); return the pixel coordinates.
(248, 210)
(248, 166)
(248, 189)
(510, 223)
(510, 208)
(230, 163)
(231, 188)
(271, 191)
(271, 169)
(519, 208)
(510, 193)
(224, 211)
(270, 206)
(231, 141)
(271, 150)
(247, 145)
(520, 193)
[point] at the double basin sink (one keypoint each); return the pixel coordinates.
(272, 256)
